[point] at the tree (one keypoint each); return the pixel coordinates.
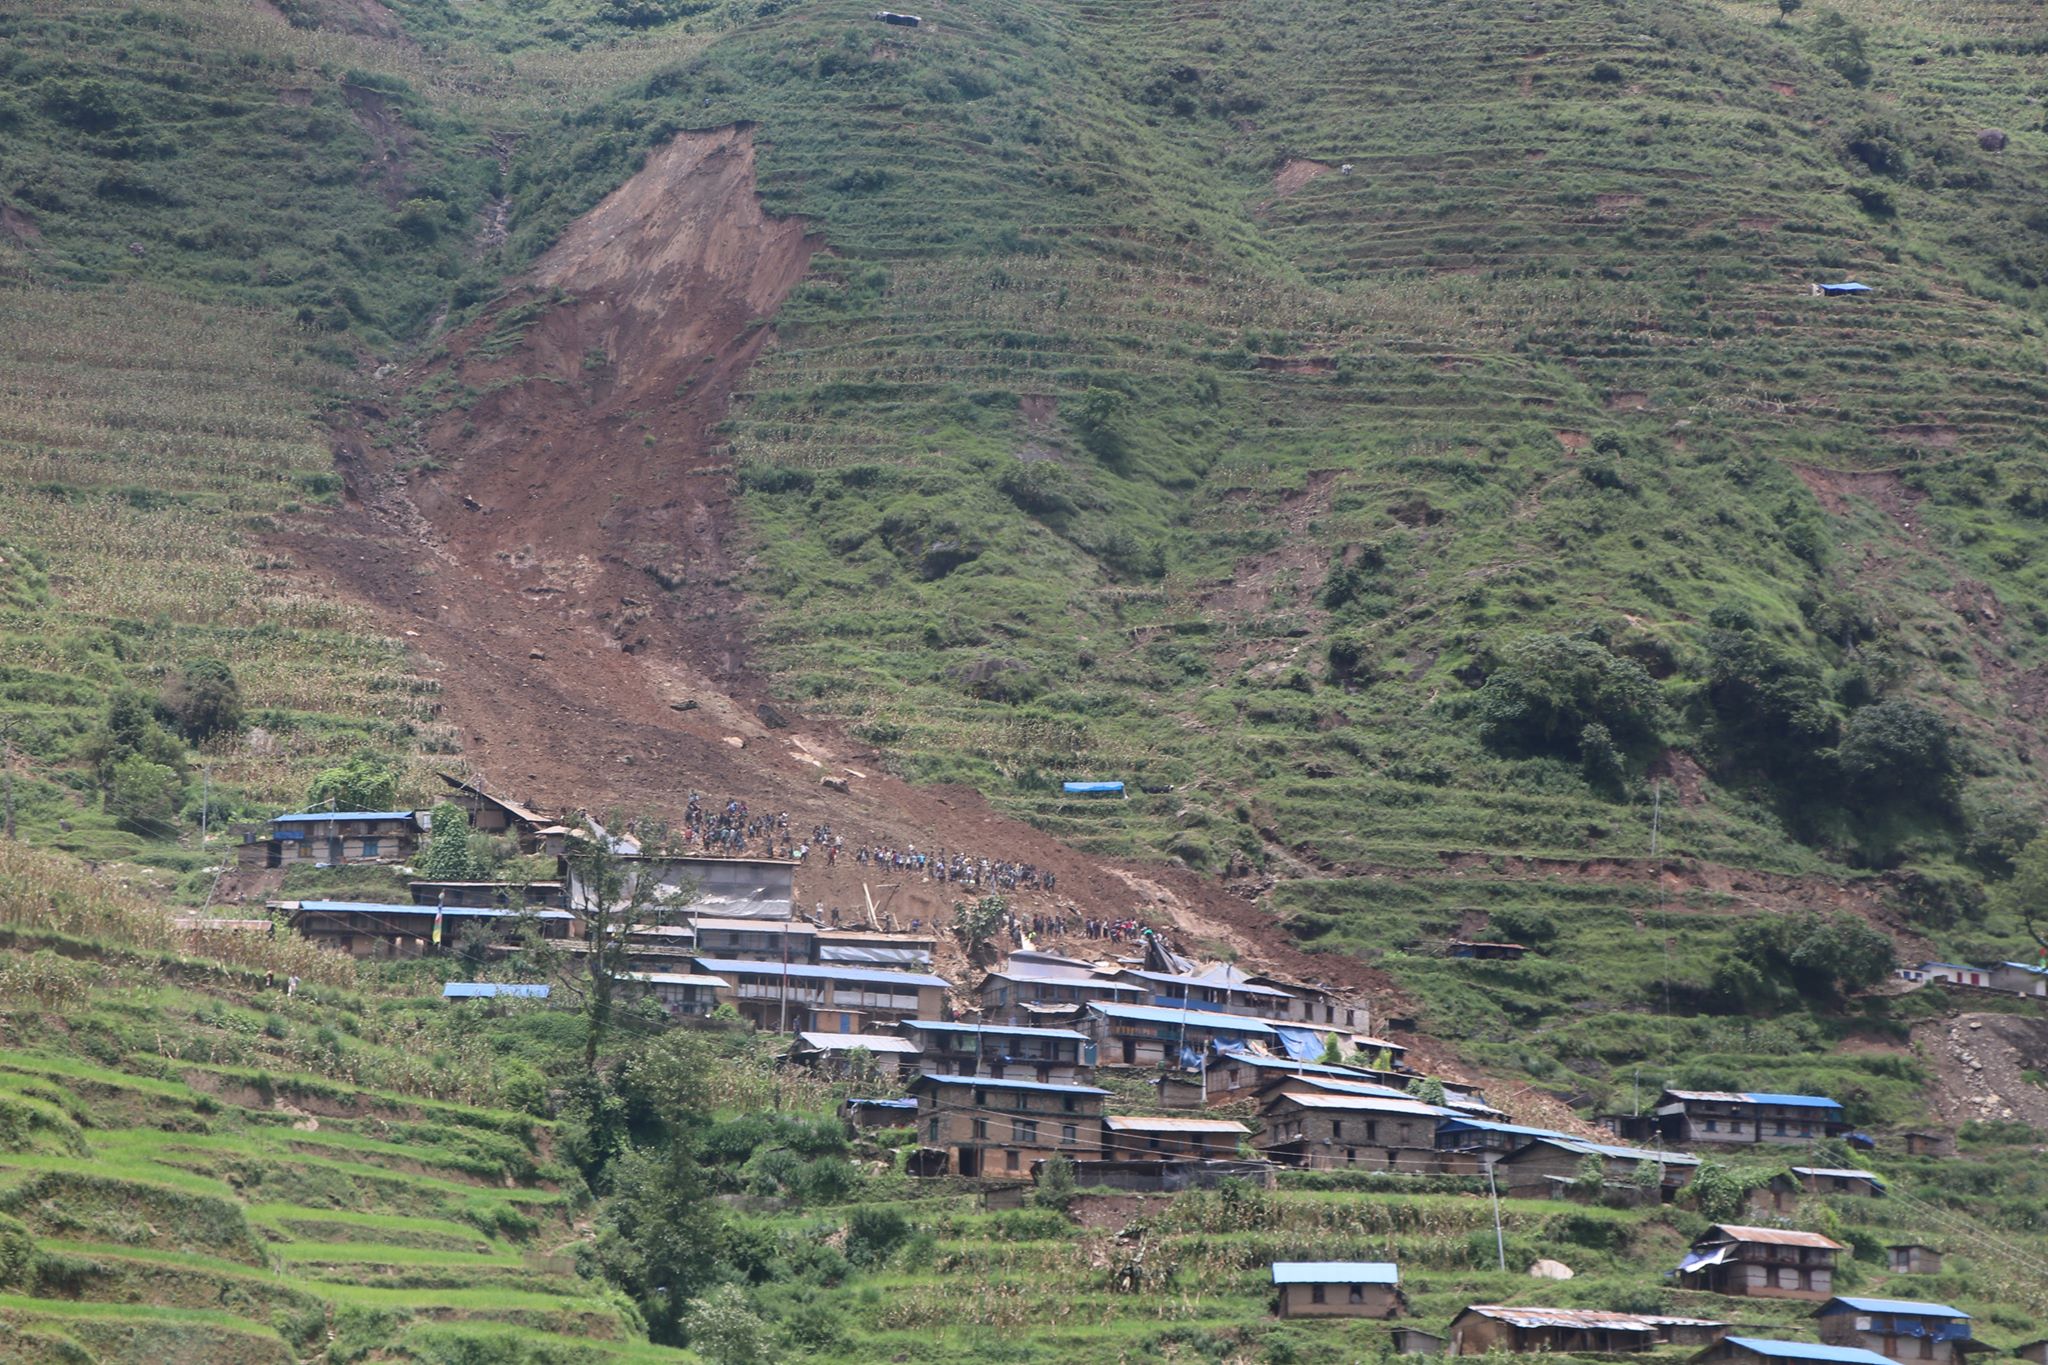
(977, 925)
(448, 856)
(1056, 1184)
(614, 894)
(657, 1238)
(202, 699)
(1719, 1190)
(144, 796)
(1898, 748)
(2025, 895)
(1427, 1089)
(1786, 9)
(364, 782)
(1816, 956)
(1333, 1051)
(1548, 689)
(1591, 1176)
(725, 1330)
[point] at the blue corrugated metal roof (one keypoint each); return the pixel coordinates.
(1905, 1306)
(452, 911)
(1092, 787)
(796, 971)
(1245, 986)
(1582, 1146)
(1484, 1126)
(1791, 1101)
(1807, 1350)
(475, 990)
(885, 1104)
(1153, 1014)
(1336, 1272)
(983, 1081)
(325, 815)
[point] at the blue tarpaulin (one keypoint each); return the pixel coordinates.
(1846, 287)
(1302, 1044)
(1093, 788)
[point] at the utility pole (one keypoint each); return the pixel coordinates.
(205, 801)
(1500, 1244)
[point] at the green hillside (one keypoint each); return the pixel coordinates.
(1401, 441)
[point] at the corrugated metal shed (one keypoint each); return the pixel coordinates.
(1806, 1350)
(1127, 1123)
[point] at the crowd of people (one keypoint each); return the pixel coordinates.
(733, 830)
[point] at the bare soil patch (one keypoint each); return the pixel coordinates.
(1978, 1061)
(1573, 441)
(1627, 400)
(1296, 172)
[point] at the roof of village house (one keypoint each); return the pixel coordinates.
(1364, 1104)
(1336, 1272)
(512, 808)
(1807, 1350)
(1585, 1148)
(1775, 1236)
(451, 911)
(676, 978)
(1102, 983)
(1756, 1097)
(755, 926)
(1007, 1030)
(1156, 1014)
(846, 1042)
(1459, 1125)
(1336, 1085)
(1845, 1173)
(805, 972)
(1131, 1123)
(1207, 983)
(322, 816)
(1584, 1317)
(1901, 1307)
(1293, 1067)
(986, 1082)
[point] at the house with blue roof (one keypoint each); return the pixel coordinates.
(1057, 1056)
(1153, 1036)
(980, 1126)
(380, 930)
(1688, 1118)
(827, 997)
(1550, 1167)
(1765, 1351)
(333, 838)
(2020, 978)
(1901, 1329)
(1337, 1289)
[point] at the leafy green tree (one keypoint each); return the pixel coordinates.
(1333, 1051)
(1547, 690)
(1899, 748)
(976, 925)
(448, 856)
(1839, 45)
(1103, 422)
(1719, 1190)
(2025, 895)
(1816, 957)
(658, 1236)
(1591, 1176)
(1786, 9)
(202, 699)
(614, 897)
(144, 796)
(1056, 1184)
(725, 1330)
(1427, 1089)
(365, 782)
(1770, 707)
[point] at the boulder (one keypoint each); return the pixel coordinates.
(1992, 139)
(1550, 1270)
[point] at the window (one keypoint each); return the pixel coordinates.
(1010, 1159)
(1068, 1133)
(1020, 1101)
(1372, 1130)
(980, 1130)
(1351, 1156)
(1315, 1294)
(1337, 1128)
(981, 1097)
(1067, 1103)
(1358, 1293)
(1712, 1126)
(370, 847)
(1778, 1128)
(1023, 1131)
(932, 1132)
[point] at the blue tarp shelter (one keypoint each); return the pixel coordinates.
(1845, 287)
(1092, 788)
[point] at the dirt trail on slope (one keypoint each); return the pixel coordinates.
(560, 554)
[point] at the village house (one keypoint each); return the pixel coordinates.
(782, 997)
(1898, 1329)
(333, 839)
(687, 995)
(1578, 1331)
(1137, 1138)
(490, 814)
(1290, 1084)
(1913, 1258)
(1288, 1001)
(1955, 974)
(1413, 1341)
(862, 1056)
(374, 929)
(1337, 1289)
(1332, 1131)
(1764, 1351)
(755, 940)
(988, 1127)
(1148, 1036)
(2020, 979)
(1783, 1193)
(1054, 1056)
(1928, 1144)
(1215, 994)
(1013, 996)
(1549, 1168)
(873, 948)
(1686, 1118)
(868, 1112)
(1317, 1005)
(1487, 1140)
(1761, 1263)
(2034, 1352)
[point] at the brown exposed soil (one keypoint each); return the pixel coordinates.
(1934, 435)
(561, 554)
(1978, 1061)
(17, 225)
(1759, 224)
(1627, 400)
(1574, 441)
(1298, 364)
(1784, 89)
(1615, 205)
(390, 165)
(1297, 172)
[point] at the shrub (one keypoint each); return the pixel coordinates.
(1549, 688)
(202, 699)
(872, 1234)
